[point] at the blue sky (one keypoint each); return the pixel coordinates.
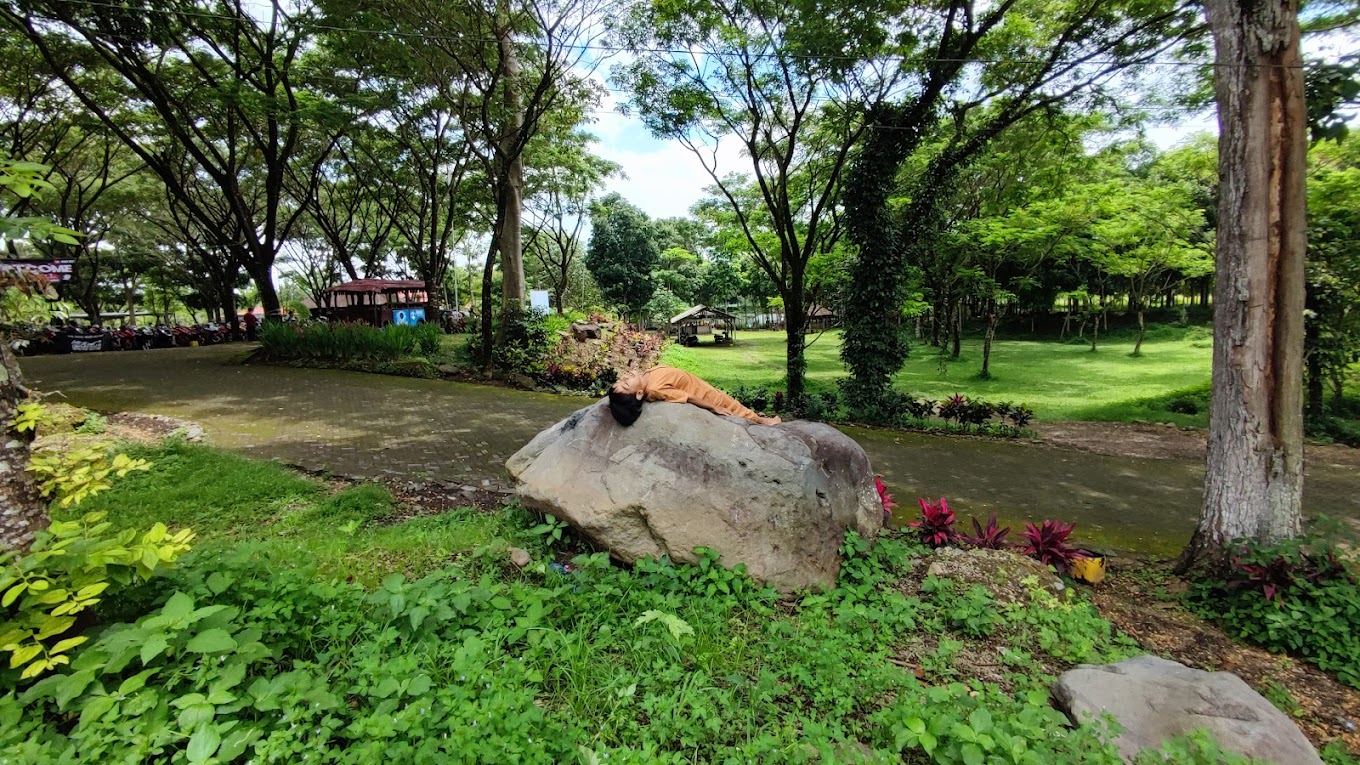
(665, 179)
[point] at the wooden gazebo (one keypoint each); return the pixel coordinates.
(704, 320)
(375, 301)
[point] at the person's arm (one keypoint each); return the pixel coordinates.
(668, 395)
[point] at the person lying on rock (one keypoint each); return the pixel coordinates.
(675, 386)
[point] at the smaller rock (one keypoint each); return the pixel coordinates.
(1001, 572)
(1154, 699)
(524, 382)
(448, 369)
(585, 331)
(520, 557)
(193, 433)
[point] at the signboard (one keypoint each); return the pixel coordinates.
(90, 343)
(408, 316)
(538, 300)
(54, 270)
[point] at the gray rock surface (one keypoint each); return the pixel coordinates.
(1155, 699)
(778, 499)
(1003, 573)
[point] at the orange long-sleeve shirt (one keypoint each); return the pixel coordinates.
(677, 386)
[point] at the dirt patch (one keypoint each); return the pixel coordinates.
(1147, 609)
(1154, 441)
(419, 498)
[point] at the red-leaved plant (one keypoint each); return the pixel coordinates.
(1273, 575)
(884, 496)
(1048, 544)
(936, 523)
(990, 537)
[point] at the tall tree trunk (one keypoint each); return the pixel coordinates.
(987, 338)
(511, 154)
(269, 297)
(132, 308)
(1142, 328)
(956, 329)
(486, 326)
(23, 512)
(1254, 483)
(795, 327)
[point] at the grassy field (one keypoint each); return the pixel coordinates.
(1059, 380)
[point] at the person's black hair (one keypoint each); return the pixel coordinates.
(626, 407)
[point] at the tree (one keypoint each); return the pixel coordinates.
(784, 81)
(202, 93)
(621, 253)
(563, 175)
(1332, 332)
(975, 72)
(23, 510)
(1254, 482)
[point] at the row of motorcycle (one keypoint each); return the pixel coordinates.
(94, 338)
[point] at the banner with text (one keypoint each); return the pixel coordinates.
(55, 270)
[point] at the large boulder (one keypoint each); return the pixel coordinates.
(778, 499)
(1154, 699)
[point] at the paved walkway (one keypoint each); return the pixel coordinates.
(377, 426)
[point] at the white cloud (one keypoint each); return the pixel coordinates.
(662, 177)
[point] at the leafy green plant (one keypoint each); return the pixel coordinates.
(95, 424)
(65, 572)
(1299, 597)
(523, 346)
(341, 341)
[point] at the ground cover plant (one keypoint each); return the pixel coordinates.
(272, 641)
(1299, 597)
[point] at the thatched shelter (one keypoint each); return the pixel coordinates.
(704, 320)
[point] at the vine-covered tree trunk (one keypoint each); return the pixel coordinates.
(795, 328)
(22, 510)
(1254, 484)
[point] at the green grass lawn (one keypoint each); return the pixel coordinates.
(1058, 380)
(229, 500)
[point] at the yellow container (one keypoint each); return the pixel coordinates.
(193, 343)
(1089, 570)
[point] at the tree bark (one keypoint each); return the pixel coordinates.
(23, 511)
(263, 277)
(512, 180)
(987, 338)
(1142, 329)
(795, 327)
(1254, 483)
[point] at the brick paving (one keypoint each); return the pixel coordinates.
(375, 426)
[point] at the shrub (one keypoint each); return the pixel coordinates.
(521, 349)
(1298, 597)
(66, 571)
(340, 341)
(1047, 543)
(884, 496)
(989, 537)
(936, 524)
